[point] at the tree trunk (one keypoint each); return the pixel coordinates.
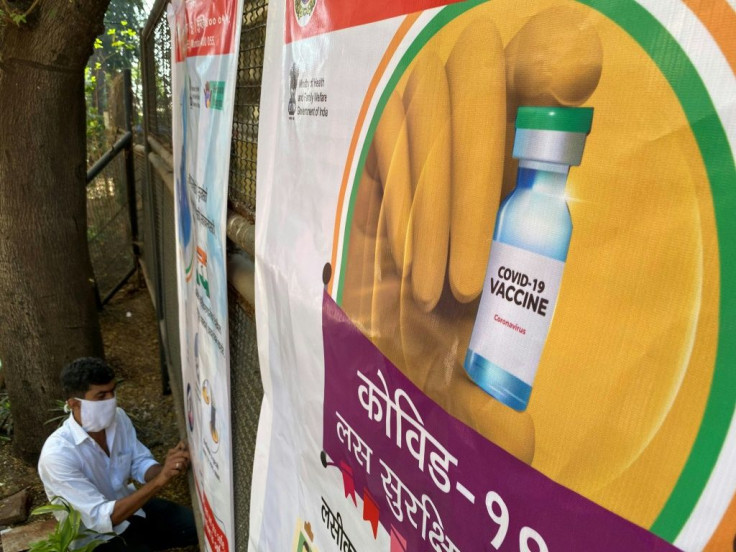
(49, 314)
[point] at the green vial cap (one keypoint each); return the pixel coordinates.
(565, 119)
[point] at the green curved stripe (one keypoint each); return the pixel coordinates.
(719, 163)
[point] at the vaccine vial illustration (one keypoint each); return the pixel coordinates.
(530, 243)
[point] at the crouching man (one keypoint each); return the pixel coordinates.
(91, 458)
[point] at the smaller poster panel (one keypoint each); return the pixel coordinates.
(205, 36)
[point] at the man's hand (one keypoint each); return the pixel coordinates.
(181, 446)
(176, 463)
(157, 476)
(180, 463)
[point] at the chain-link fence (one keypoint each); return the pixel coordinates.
(245, 379)
(159, 238)
(157, 76)
(111, 190)
(242, 192)
(108, 228)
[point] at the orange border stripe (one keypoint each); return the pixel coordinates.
(720, 20)
(392, 47)
(724, 537)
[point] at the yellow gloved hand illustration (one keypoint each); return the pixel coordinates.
(428, 199)
(426, 206)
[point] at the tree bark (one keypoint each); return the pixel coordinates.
(49, 314)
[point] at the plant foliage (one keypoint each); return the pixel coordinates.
(68, 530)
(114, 50)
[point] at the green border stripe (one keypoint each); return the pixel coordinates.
(719, 163)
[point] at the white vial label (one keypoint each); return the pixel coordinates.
(516, 308)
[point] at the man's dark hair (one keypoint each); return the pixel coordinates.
(78, 375)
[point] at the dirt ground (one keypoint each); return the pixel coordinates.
(131, 346)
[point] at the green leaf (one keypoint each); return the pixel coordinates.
(41, 546)
(124, 23)
(67, 534)
(98, 44)
(48, 509)
(56, 419)
(111, 32)
(74, 519)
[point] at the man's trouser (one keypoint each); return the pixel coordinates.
(166, 525)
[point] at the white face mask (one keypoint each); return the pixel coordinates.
(97, 415)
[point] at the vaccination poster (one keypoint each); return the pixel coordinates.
(205, 36)
(496, 259)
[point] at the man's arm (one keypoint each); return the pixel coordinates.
(155, 469)
(64, 479)
(176, 463)
(143, 460)
(152, 472)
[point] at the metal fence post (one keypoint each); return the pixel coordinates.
(130, 168)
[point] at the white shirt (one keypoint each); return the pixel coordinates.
(74, 467)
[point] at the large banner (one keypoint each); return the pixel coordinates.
(205, 36)
(496, 252)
